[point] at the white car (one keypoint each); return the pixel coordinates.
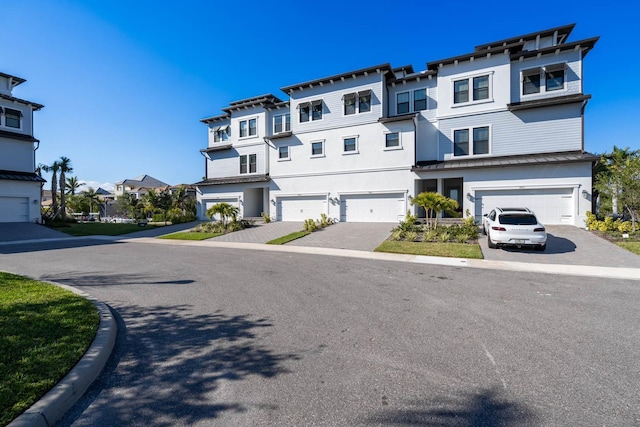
(514, 227)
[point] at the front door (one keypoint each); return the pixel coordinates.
(453, 189)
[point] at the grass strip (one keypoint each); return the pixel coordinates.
(630, 246)
(101, 229)
(190, 235)
(288, 238)
(456, 250)
(44, 331)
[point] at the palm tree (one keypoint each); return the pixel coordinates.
(433, 203)
(92, 197)
(613, 163)
(65, 167)
(72, 185)
(225, 210)
(53, 168)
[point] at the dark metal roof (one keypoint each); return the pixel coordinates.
(279, 135)
(21, 176)
(433, 65)
(399, 118)
(256, 99)
(218, 118)
(35, 106)
(235, 180)
(16, 135)
(546, 102)
(506, 161)
(406, 68)
(216, 148)
(18, 80)
(416, 76)
(278, 105)
(586, 45)
(564, 30)
(363, 71)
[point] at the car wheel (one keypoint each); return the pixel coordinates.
(490, 243)
(541, 248)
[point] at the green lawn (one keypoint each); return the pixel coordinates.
(288, 238)
(456, 250)
(190, 235)
(630, 246)
(44, 331)
(101, 228)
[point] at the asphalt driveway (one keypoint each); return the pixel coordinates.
(566, 245)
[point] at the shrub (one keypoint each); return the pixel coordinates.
(265, 217)
(398, 235)
(310, 225)
(411, 236)
(325, 221)
(625, 226)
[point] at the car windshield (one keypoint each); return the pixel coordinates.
(518, 219)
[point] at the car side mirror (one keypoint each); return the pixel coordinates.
(485, 215)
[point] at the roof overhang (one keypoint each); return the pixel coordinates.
(21, 176)
(434, 65)
(507, 161)
(399, 118)
(584, 45)
(547, 102)
(377, 69)
(16, 135)
(234, 180)
(216, 148)
(33, 105)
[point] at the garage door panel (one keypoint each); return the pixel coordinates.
(301, 208)
(14, 209)
(551, 205)
(373, 207)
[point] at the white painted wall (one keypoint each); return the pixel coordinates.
(31, 190)
(16, 155)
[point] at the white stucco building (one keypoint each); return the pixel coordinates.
(19, 183)
(499, 126)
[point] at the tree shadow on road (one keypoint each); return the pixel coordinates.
(78, 279)
(168, 363)
(487, 408)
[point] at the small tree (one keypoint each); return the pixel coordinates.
(225, 211)
(620, 181)
(72, 185)
(433, 204)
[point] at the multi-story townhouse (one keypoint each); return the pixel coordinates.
(500, 126)
(19, 184)
(138, 186)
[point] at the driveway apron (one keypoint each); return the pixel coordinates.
(347, 235)
(567, 245)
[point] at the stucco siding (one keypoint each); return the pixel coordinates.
(227, 163)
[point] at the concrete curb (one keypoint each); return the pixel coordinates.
(53, 405)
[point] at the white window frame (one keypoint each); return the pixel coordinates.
(413, 99)
(313, 104)
(356, 96)
(361, 93)
(321, 141)
(248, 157)
(20, 118)
(220, 133)
(408, 92)
(284, 123)
(398, 147)
(284, 159)
(542, 72)
(470, 129)
(357, 148)
(248, 121)
(469, 78)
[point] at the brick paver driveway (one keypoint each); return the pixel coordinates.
(358, 236)
(567, 244)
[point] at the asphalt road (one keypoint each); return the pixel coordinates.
(222, 337)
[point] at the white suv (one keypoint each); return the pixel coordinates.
(514, 227)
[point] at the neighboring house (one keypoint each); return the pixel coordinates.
(137, 186)
(19, 183)
(499, 126)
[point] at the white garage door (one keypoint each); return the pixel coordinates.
(301, 208)
(208, 203)
(14, 209)
(551, 205)
(373, 207)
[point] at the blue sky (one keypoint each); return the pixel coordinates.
(125, 83)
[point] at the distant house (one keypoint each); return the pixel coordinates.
(500, 125)
(19, 183)
(138, 186)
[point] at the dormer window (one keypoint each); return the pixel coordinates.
(472, 89)
(310, 110)
(548, 78)
(357, 102)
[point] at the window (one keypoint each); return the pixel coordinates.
(419, 99)
(283, 153)
(253, 127)
(350, 144)
(461, 91)
(554, 78)
(317, 148)
(349, 104)
(304, 111)
(250, 161)
(480, 88)
(364, 101)
(316, 110)
(531, 81)
(403, 103)
(221, 134)
(463, 146)
(282, 123)
(12, 118)
(392, 140)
